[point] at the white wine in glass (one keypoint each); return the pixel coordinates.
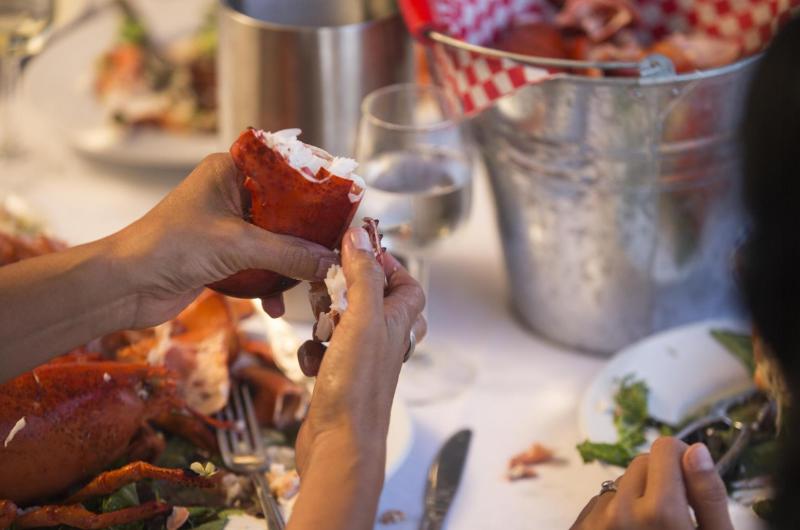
(24, 26)
(416, 159)
(421, 195)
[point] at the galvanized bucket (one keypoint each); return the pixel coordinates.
(617, 197)
(307, 64)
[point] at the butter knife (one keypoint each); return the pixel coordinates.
(444, 476)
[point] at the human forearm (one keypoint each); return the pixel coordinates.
(56, 302)
(342, 483)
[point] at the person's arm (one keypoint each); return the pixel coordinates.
(341, 448)
(144, 274)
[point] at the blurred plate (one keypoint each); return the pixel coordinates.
(59, 84)
(685, 368)
(284, 338)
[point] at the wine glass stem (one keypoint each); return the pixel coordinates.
(419, 269)
(10, 68)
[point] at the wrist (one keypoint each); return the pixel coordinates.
(123, 268)
(360, 445)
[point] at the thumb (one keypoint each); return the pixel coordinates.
(365, 276)
(256, 248)
(705, 489)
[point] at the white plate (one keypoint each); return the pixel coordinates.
(285, 339)
(684, 368)
(59, 83)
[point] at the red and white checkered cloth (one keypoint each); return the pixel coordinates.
(478, 80)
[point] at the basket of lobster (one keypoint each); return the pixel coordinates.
(609, 129)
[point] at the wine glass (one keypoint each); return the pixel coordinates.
(416, 159)
(24, 25)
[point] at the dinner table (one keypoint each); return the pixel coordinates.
(525, 389)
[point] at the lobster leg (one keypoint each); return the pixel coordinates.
(8, 512)
(79, 517)
(111, 481)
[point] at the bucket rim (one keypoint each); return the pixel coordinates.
(545, 62)
(248, 20)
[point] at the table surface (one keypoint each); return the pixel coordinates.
(526, 389)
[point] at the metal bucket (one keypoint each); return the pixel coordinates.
(307, 64)
(617, 200)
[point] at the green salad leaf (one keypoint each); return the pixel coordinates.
(615, 454)
(740, 345)
(131, 31)
(631, 419)
(220, 521)
(765, 509)
(125, 497)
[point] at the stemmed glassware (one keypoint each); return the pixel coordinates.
(24, 26)
(416, 158)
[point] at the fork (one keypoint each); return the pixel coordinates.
(242, 450)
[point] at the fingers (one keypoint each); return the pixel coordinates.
(705, 489)
(664, 476)
(405, 301)
(420, 328)
(274, 306)
(664, 504)
(585, 512)
(310, 357)
(255, 248)
(224, 180)
(365, 277)
(631, 485)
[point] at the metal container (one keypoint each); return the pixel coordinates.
(617, 200)
(307, 64)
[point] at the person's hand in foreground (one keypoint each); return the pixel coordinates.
(656, 491)
(146, 273)
(341, 447)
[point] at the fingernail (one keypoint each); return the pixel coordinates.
(360, 239)
(324, 265)
(699, 459)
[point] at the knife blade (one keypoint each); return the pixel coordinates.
(444, 477)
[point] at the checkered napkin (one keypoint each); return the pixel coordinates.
(478, 80)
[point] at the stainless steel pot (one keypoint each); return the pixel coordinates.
(307, 64)
(617, 200)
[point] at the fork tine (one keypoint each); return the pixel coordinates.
(252, 422)
(223, 441)
(240, 417)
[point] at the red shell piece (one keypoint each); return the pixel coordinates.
(284, 201)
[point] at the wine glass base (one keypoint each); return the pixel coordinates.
(431, 378)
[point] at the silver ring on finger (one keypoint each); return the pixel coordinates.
(412, 345)
(608, 486)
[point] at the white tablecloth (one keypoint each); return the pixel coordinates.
(526, 389)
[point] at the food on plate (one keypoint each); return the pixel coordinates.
(608, 31)
(142, 84)
(392, 517)
(117, 432)
(295, 189)
(748, 474)
(523, 465)
(768, 376)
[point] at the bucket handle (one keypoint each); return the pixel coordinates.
(418, 16)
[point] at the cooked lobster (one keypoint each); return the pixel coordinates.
(295, 189)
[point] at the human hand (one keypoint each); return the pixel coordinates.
(357, 376)
(196, 236)
(656, 491)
